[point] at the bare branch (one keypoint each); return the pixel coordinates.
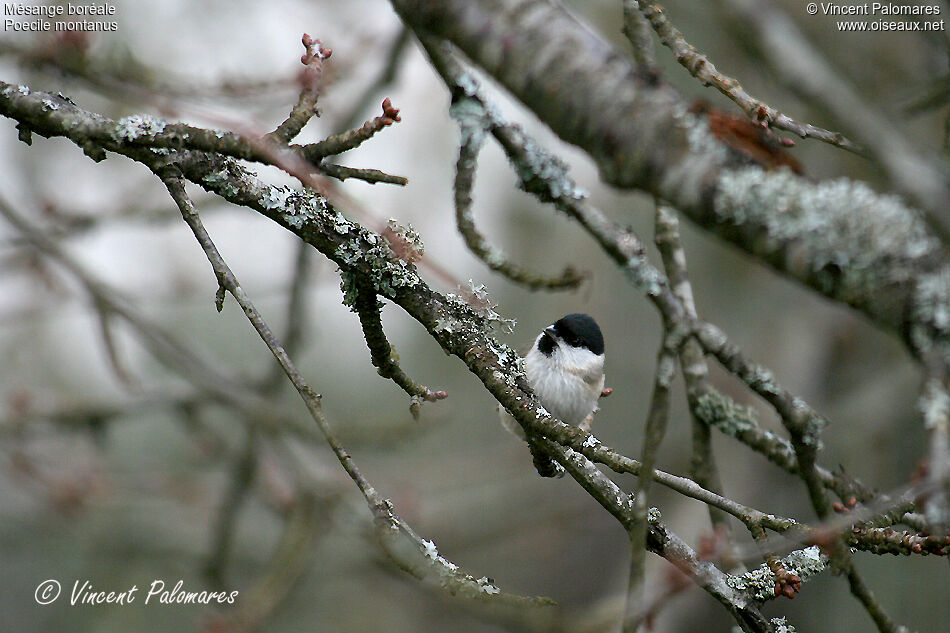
(700, 67)
(637, 30)
(924, 179)
(655, 429)
(867, 250)
(692, 360)
(367, 306)
(398, 539)
(306, 106)
(474, 121)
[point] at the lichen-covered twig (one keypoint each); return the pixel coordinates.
(660, 539)
(841, 238)
(399, 540)
(803, 425)
(145, 131)
(475, 118)
(802, 422)
(759, 584)
(372, 176)
(459, 329)
(654, 431)
(692, 360)
(922, 178)
(367, 306)
(474, 121)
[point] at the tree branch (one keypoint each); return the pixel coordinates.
(867, 250)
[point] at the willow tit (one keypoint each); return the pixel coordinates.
(565, 369)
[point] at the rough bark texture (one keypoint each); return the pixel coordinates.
(856, 246)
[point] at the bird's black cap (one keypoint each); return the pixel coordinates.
(580, 330)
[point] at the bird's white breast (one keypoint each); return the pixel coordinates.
(568, 382)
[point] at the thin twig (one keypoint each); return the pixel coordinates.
(306, 106)
(655, 429)
(700, 67)
(367, 306)
(637, 31)
(420, 558)
(345, 141)
(923, 178)
(372, 176)
(692, 360)
(474, 121)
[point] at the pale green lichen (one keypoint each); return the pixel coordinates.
(779, 625)
(137, 125)
(930, 320)
(340, 224)
(759, 584)
(701, 140)
(276, 198)
(376, 264)
(476, 297)
(446, 324)
(473, 120)
(486, 586)
(841, 234)
(761, 380)
(645, 277)
(725, 414)
(736, 420)
(540, 167)
(221, 182)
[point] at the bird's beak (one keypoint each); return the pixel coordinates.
(549, 330)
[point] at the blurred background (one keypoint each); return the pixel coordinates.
(118, 468)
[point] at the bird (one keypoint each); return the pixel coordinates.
(565, 370)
